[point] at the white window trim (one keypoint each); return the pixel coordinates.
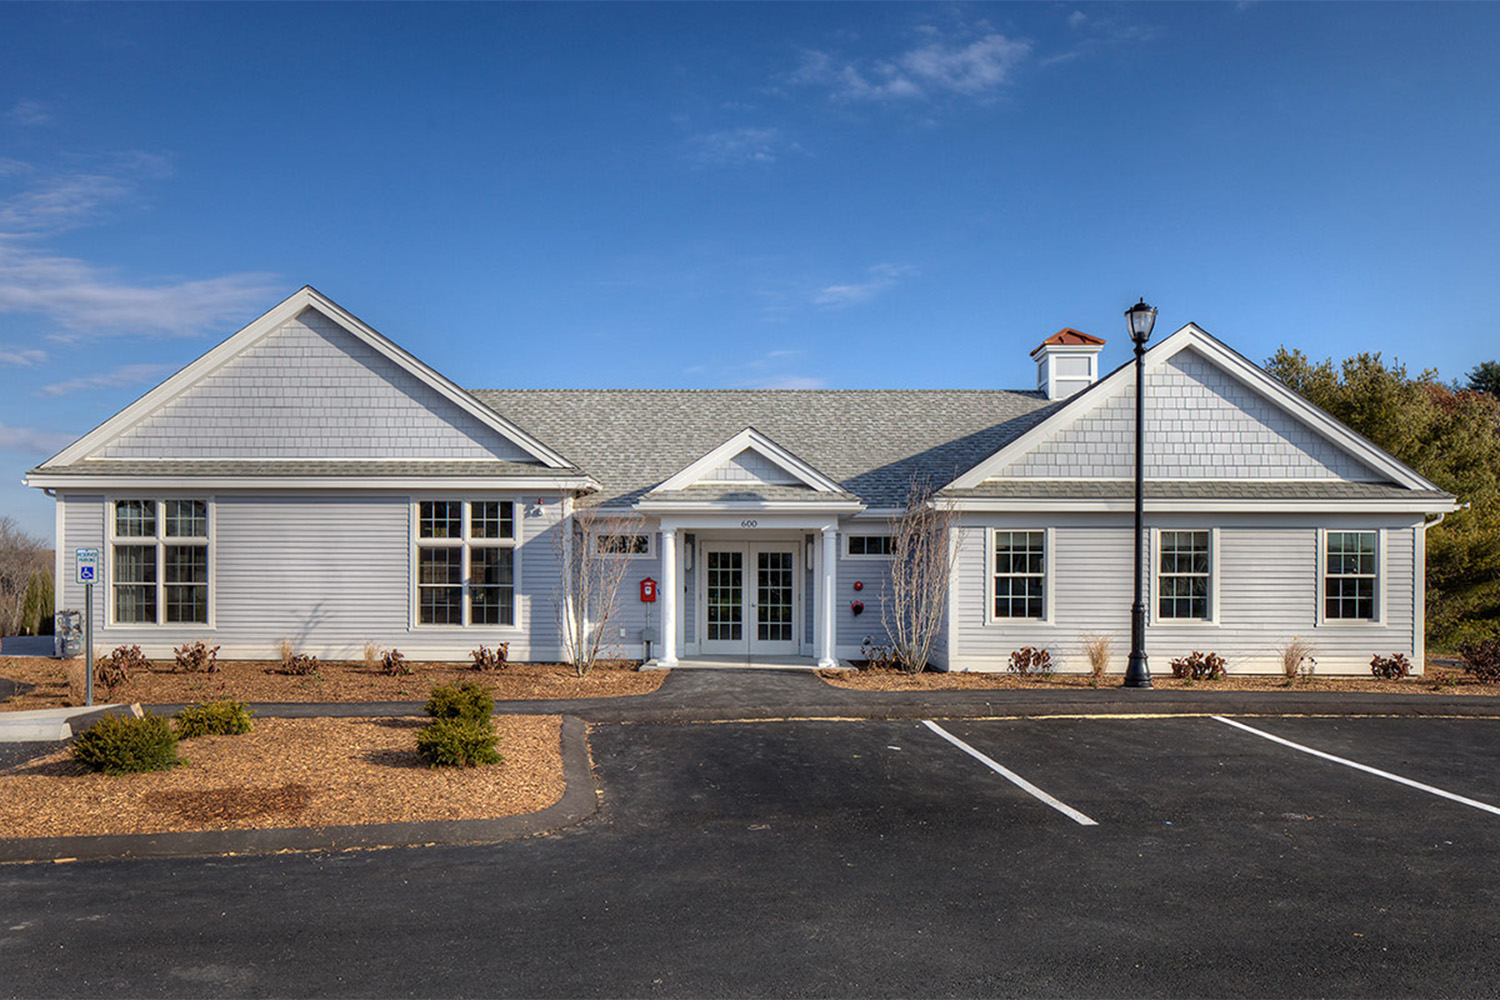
(849, 536)
(465, 543)
(1049, 605)
(1153, 607)
(650, 552)
(1322, 620)
(161, 540)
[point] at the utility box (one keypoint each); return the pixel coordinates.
(67, 634)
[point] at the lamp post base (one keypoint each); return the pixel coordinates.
(1137, 672)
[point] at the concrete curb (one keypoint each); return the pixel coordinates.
(578, 803)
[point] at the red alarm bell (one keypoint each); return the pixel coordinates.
(859, 585)
(858, 607)
(648, 591)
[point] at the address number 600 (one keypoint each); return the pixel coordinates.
(750, 524)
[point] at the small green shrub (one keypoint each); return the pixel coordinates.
(393, 664)
(214, 718)
(1390, 667)
(114, 669)
(197, 658)
(491, 659)
(119, 744)
(1028, 661)
(1198, 666)
(458, 743)
(460, 701)
(1482, 659)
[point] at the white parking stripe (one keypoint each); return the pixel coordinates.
(1011, 776)
(1361, 767)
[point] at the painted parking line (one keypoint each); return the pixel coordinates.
(1362, 767)
(1011, 776)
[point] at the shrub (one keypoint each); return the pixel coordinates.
(300, 665)
(458, 743)
(214, 718)
(394, 664)
(460, 701)
(1098, 648)
(1390, 667)
(113, 670)
(1296, 659)
(197, 657)
(372, 655)
(877, 657)
(1198, 666)
(119, 744)
(1028, 661)
(490, 659)
(1482, 659)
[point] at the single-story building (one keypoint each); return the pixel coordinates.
(309, 480)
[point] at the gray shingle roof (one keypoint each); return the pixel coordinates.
(873, 442)
(1225, 489)
(495, 468)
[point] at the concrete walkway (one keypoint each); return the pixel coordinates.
(717, 695)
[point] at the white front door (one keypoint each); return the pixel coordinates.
(750, 598)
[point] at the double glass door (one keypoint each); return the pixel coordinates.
(749, 598)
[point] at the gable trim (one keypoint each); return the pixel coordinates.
(1249, 374)
(268, 322)
(756, 441)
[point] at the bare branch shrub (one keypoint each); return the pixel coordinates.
(21, 555)
(1296, 659)
(588, 601)
(1099, 649)
(373, 655)
(287, 649)
(923, 551)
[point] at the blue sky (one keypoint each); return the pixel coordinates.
(724, 195)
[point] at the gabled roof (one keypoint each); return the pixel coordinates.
(752, 440)
(1232, 362)
(290, 307)
(871, 443)
(1069, 337)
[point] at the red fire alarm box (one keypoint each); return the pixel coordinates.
(648, 590)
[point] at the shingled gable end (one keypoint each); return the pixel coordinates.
(310, 479)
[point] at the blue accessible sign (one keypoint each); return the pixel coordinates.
(88, 565)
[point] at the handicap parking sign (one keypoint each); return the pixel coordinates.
(88, 565)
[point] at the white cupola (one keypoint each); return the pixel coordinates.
(1067, 362)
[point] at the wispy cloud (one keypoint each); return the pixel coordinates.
(737, 146)
(26, 112)
(1100, 28)
(21, 357)
(881, 278)
(32, 441)
(134, 374)
(87, 300)
(972, 68)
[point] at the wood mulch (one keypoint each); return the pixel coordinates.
(59, 683)
(1439, 679)
(286, 773)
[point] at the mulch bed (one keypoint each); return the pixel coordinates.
(288, 773)
(49, 683)
(1439, 679)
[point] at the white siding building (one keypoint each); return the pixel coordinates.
(308, 480)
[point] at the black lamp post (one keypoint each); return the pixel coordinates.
(1141, 319)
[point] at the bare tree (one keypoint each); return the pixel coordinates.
(924, 548)
(21, 555)
(594, 550)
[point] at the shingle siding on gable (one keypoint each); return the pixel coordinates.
(750, 466)
(1201, 423)
(312, 390)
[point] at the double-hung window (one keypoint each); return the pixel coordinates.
(1351, 568)
(466, 561)
(159, 553)
(1020, 574)
(1184, 577)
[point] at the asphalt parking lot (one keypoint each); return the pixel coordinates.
(859, 858)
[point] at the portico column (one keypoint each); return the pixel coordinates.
(668, 596)
(827, 596)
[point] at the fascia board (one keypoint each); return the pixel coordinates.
(304, 298)
(1127, 505)
(750, 438)
(41, 480)
(776, 506)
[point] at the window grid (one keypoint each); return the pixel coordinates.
(1020, 574)
(466, 562)
(871, 545)
(160, 562)
(623, 545)
(1350, 571)
(1184, 575)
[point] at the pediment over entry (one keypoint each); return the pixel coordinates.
(749, 459)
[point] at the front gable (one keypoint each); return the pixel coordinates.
(750, 457)
(307, 382)
(1210, 415)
